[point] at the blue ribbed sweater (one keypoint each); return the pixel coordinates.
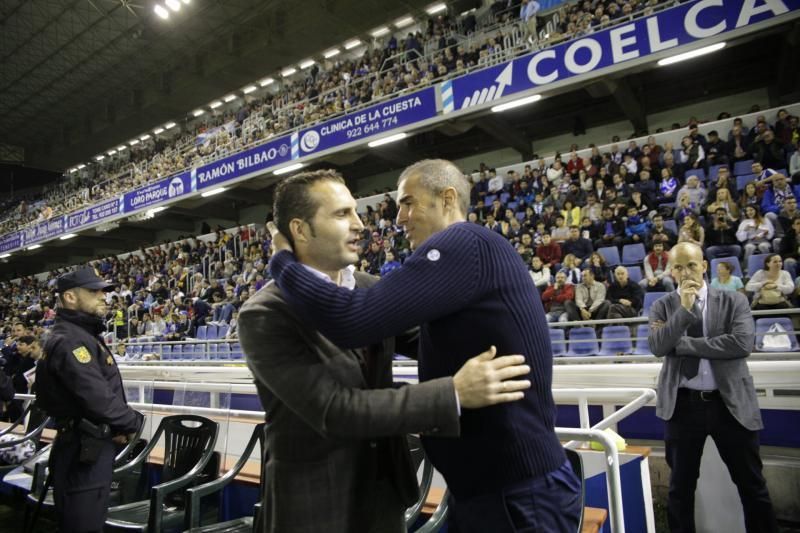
(468, 289)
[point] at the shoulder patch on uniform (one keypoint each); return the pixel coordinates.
(82, 355)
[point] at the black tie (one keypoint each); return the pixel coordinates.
(689, 365)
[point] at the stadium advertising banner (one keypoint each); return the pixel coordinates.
(662, 31)
(158, 192)
(232, 167)
(95, 213)
(373, 120)
(11, 241)
(43, 230)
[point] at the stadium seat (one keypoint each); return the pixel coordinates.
(582, 342)
(762, 327)
(212, 350)
(504, 197)
(649, 298)
(671, 225)
(713, 172)
(635, 274)
(224, 350)
(733, 261)
(199, 351)
(489, 198)
(512, 205)
(616, 340)
(743, 180)
(755, 263)
(166, 352)
(558, 340)
(520, 216)
(211, 331)
(177, 351)
(610, 254)
(236, 351)
(633, 254)
(641, 346)
(222, 330)
(202, 332)
(740, 168)
(699, 172)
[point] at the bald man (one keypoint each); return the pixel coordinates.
(705, 389)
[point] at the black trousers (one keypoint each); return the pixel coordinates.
(693, 420)
(81, 491)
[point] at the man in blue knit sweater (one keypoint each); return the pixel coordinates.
(466, 287)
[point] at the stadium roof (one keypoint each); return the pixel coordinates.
(79, 76)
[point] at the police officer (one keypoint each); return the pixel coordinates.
(78, 384)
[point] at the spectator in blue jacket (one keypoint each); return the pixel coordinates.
(636, 228)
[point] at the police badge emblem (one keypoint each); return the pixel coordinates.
(82, 355)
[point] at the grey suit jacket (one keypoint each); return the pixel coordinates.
(329, 438)
(731, 335)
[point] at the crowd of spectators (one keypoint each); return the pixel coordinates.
(445, 46)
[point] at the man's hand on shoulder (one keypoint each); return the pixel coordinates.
(487, 380)
(279, 241)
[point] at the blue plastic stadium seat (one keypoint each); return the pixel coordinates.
(763, 325)
(616, 340)
(236, 351)
(212, 350)
(166, 352)
(635, 274)
(649, 298)
(222, 330)
(743, 180)
(633, 254)
(713, 172)
(641, 345)
(177, 351)
(199, 351)
(733, 261)
(489, 198)
(582, 342)
(504, 197)
(699, 172)
(224, 350)
(741, 168)
(211, 331)
(558, 340)
(520, 216)
(610, 254)
(755, 263)
(202, 332)
(671, 225)
(512, 205)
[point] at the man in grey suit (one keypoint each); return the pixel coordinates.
(705, 389)
(337, 458)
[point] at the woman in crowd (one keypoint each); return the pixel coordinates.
(749, 196)
(771, 286)
(725, 280)
(598, 266)
(571, 266)
(691, 230)
(724, 200)
(755, 232)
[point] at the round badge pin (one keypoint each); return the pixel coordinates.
(433, 255)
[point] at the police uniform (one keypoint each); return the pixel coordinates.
(79, 385)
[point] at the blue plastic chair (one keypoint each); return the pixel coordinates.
(610, 254)
(616, 340)
(671, 225)
(740, 168)
(512, 205)
(202, 332)
(642, 346)
(211, 332)
(699, 172)
(743, 180)
(236, 351)
(713, 172)
(212, 351)
(489, 198)
(635, 274)
(166, 352)
(199, 351)
(582, 342)
(177, 351)
(504, 197)
(733, 261)
(649, 298)
(222, 331)
(633, 254)
(520, 216)
(558, 341)
(224, 350)
(755, 263)
(763, 325)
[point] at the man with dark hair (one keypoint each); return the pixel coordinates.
(79, 385)
(576, 245)
(466, 286)
(323, 417)
(721, 238)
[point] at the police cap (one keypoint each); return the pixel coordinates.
(85, 277)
